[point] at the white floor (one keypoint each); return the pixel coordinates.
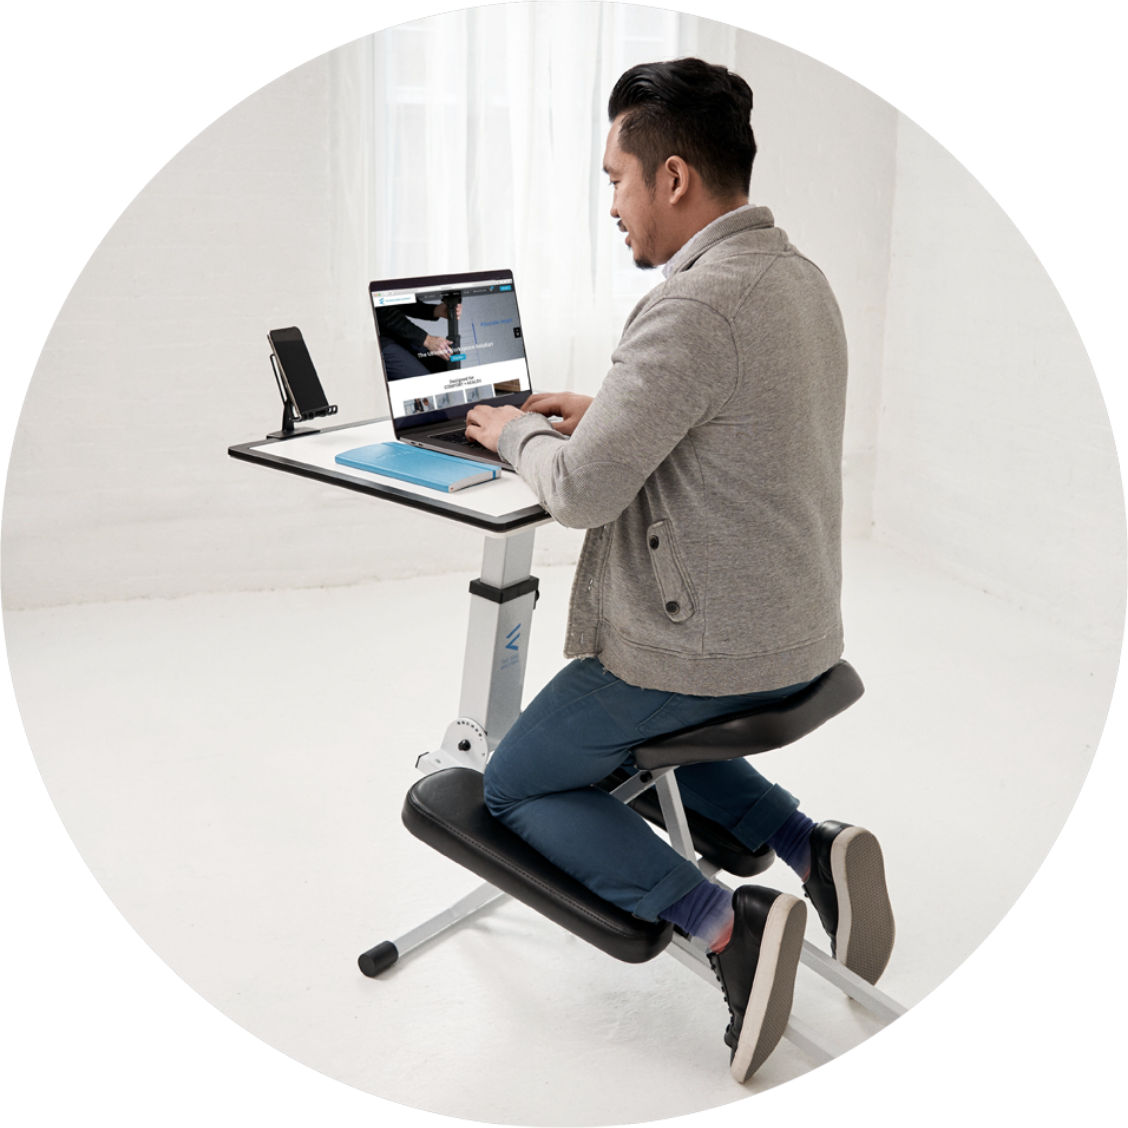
(232, 768)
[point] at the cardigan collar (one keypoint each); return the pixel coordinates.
(739, 219)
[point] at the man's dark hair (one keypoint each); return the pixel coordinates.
(691, 109)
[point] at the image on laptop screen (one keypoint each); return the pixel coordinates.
(447, 343)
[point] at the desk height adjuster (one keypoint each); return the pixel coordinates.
(464, 746)
(505, 594)
(494, 664)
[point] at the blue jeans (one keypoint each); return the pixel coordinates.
(582, 726)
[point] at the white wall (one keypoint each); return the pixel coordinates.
(996, 461)
(120, 485)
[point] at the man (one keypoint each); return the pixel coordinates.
(708, 473)
(408, 349)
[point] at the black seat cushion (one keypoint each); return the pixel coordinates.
(758, 730)
(446, 810)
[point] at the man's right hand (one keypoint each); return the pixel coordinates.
(570, 406)
(437, 346)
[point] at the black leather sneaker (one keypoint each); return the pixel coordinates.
(847, 888)
(757, 973)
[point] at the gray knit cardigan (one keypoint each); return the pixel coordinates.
(708, 473)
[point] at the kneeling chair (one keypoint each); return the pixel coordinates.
(447, 811)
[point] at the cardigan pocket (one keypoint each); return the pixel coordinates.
(669, 571)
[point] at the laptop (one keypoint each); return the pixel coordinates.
(447, 343)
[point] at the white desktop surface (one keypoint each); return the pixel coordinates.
(505, 495)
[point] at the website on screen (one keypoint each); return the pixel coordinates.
(450, 346)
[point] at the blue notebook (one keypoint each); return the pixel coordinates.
(428, 468)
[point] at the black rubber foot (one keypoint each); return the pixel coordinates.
(378, 959)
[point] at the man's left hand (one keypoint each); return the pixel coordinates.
(484, 424)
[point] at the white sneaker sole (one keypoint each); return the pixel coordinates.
(773, 988)
(864, 941)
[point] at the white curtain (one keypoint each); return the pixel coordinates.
(487, 131)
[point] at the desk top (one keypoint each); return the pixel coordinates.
(501, 506)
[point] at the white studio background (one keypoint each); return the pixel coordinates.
(435, 146)
(475, 137)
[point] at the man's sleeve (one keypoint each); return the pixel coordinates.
(675, 369)
(393, 322)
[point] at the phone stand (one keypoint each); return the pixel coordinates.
(290, 410)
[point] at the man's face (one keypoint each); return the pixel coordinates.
(633, 203)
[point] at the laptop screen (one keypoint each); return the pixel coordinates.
(449, 342)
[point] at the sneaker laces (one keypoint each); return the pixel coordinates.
(715, 964)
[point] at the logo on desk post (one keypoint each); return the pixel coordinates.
(511, 641)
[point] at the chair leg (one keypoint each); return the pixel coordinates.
(880, 1005)
(677, 826)
(388, 952)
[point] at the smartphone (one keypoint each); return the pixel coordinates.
(298, 382)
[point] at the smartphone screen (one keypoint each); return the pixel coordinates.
(297, 368)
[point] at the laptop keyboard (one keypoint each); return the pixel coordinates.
(458, 437)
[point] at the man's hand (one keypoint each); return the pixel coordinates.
(441, 311)
(484, 424)
(437, 346)
(569, 405)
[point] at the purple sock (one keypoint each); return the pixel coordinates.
(705, 911)
(792, 843)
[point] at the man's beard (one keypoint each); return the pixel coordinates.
(641, 261)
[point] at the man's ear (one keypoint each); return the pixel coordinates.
(678, 172)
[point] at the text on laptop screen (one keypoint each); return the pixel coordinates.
(450, 345)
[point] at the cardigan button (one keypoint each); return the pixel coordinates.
(653, 542)
(672, 607)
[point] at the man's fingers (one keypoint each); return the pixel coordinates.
(544, 403)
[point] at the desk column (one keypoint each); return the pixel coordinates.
(497, 640)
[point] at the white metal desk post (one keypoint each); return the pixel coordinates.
(493, 679)
(493, 669)
(500, 613)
